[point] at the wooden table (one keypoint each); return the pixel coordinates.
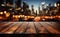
(29, 27)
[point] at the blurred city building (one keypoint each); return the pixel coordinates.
(26, 10)
(32, 10)
(9, 8)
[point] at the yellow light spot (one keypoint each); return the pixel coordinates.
(1, 12)
(5, 12)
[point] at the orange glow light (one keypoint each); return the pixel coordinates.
(1, 12)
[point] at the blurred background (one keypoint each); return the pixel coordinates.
(29, 10)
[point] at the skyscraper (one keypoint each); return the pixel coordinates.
(49, 9)
(32, 7)
(58, 7)
(43, 5)
(36, 12)
(39, 10)
(24, 7)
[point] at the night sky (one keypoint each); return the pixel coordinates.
(37, 3)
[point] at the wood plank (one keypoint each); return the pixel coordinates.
(54, 25)
(2, 23)
(4, 26)
(40, 28)
(6, 29)
(28, 27)
(50, 29)
(31, 28)
(22, 28)
(12, 29)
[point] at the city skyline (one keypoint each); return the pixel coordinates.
(35, 3)
(38, 3)
(18, 10)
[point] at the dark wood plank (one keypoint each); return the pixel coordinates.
(5, 26)
(55, 25)
(40, 28)
(6, 29)
(50, 29)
